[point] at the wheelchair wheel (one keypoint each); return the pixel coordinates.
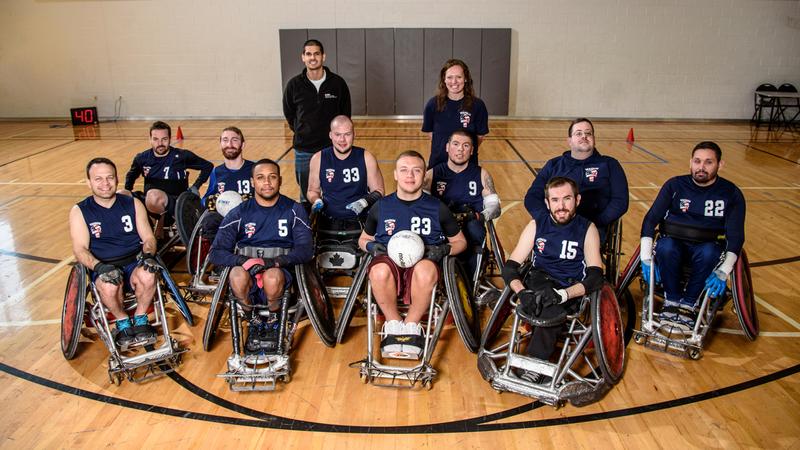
(462, 303)
(744, 300)
(612, 251)
(187, 214)
(608, 335)
(175, 293)
(346, 315)
(316, 302)
(216, 311)
(198, 247)
(631, 271)
(72, 312)
(502, 309)
(497, 247)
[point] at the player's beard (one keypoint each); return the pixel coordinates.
(161, 150)
(565, 220)
(274, 194)
(234, 155)
(703, 177)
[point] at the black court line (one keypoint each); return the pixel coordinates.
(286, 152)
(775, 261)
(30, 257)
(470, 425)
(769, 153)
(522, 158)
(37, 153)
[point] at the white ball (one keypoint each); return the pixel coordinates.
(405, 248)
(227, 201)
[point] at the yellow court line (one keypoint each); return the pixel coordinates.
(777, 312)
(21, 293)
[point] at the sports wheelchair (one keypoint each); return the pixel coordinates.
(490, 260)
(203, 280)
(259, 371)
(139, 361)
(336, 250)
(452, 294)
(680, 339)
(591, 359)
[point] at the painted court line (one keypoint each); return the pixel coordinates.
(21, 293)
(28, 323)
(762, 333)
(777, 312)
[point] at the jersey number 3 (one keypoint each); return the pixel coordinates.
(350, 175)
(127, 223)
(421, 225)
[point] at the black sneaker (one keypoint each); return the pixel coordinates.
(144, 332)
(268, 336)
(125, 337)
(253, 344)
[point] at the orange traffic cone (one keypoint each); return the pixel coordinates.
(179, 134)
(629, 139)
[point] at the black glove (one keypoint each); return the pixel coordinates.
(550, 297)
(436, 252)
(256, 269)
(531, 301)
(108, 273)
(148, 262)
(375, 248)
(241, 260)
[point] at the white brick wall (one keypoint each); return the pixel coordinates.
(599, 58)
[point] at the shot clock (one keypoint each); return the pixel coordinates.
(84, 116)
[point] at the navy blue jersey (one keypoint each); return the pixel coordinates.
(342, 181)
(283, 225)
(601, 183)
(112, 231)
(458, 189)
(224, 179)
(427, 216)
(558, 249)
(719, 207)
(441, 124)
(169, 172)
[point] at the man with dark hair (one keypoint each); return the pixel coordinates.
(112, 238)
(262, 239)
(600, 179)
(310, 101)
(468, 190)
(566, 265)
(408, 209)
(701, 222)
(165, 171)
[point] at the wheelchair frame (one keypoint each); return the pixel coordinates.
(260, 372)
(681, 340)
(153, 362)
(585, 327)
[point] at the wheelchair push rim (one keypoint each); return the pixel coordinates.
(462, 304)
(742, 290)
(215, 311)
(175, 293)
(198, 247)
(316, 302)
(187, 215)
(608, 336)
(73, 310)
(346, 315)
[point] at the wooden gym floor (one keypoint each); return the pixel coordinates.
(740, 394)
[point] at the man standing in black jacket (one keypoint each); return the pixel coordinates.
(311, 100)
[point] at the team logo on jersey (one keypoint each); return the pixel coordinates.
(221, 187)
(146, 170)
(389, 225)
(329, 95)
(96, 229)
(591, 172)
(250, 229)
(540, 244)
(441, 186)
(684, 204)
(465, 117)
(329, 173)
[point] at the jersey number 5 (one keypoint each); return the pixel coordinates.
(283, 230)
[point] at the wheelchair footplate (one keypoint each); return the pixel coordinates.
(395, 376)
(257, 372)
(152, 363)
(672, 338)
